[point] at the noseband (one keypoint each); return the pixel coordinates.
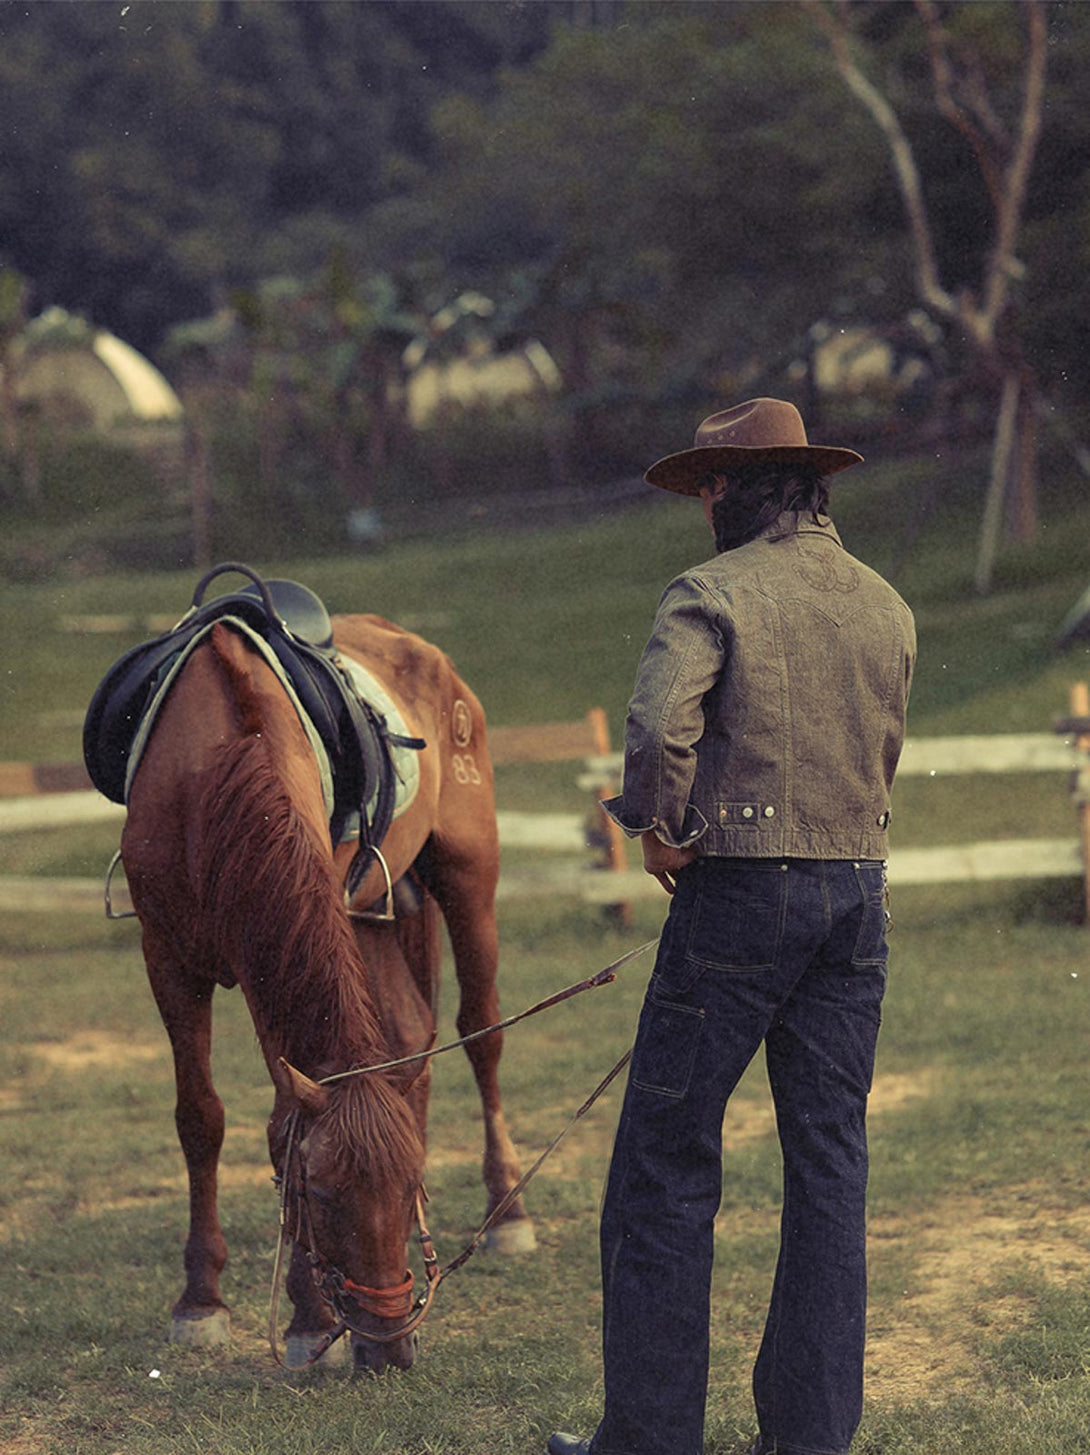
(347, 1299)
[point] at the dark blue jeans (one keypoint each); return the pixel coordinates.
(792, 954)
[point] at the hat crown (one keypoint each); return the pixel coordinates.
(757, 424)
(760, 429)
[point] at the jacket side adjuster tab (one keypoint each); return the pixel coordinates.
(744, 815)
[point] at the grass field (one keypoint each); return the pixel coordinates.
(980, 1267)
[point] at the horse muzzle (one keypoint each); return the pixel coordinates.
(371, 1358)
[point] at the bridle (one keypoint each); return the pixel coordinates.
(348, 1299)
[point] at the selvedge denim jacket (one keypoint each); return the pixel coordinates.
(769, 708)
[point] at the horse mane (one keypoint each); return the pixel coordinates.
(271, 901)
(373, 1127)
(270, 895)
(272, 905)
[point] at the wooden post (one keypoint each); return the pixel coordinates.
(1080, 707)
(617, 858)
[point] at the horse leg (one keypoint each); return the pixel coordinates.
(419, 937)
(468, 907)
(311, 1318)
(200, 1317)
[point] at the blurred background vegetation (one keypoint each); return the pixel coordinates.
(419, 267)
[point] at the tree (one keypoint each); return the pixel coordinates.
(14, 293)
(1002, 139)
(665, 186)
(161, 153)
(314, 368)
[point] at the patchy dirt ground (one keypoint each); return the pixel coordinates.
(95, 1048)
(959, 1247)
(963, 1246)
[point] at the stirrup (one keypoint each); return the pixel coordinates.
(385, 915)
(112, 913)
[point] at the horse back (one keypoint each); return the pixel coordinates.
(418, 675)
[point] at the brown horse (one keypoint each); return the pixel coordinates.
(227, 852)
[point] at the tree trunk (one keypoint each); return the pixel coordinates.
(1023, 522)
(1003, 450)
(1004, 158)
(199, 463)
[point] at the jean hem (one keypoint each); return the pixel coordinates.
(772, 1447)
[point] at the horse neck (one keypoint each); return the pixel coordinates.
(272, 902)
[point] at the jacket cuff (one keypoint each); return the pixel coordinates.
(694, 825)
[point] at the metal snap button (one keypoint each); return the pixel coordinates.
(770, 812)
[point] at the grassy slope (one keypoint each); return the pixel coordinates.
(979, 1167)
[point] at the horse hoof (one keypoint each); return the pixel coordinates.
(299, 1347)
(516, 1236)
(201, 1331)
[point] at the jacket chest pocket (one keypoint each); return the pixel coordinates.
(738, 918)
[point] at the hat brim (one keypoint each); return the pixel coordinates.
(680, 473)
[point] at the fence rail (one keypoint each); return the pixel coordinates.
(39, 797)
(934, 757)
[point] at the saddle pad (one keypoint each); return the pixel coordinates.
(406, 761)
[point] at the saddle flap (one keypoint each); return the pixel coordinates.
(117, 709)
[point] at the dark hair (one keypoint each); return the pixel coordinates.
(759, 493)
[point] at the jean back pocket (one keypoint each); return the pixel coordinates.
(738, 917)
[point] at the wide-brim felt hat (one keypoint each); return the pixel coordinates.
(760, 429)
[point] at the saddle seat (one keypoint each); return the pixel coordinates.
(294, 623)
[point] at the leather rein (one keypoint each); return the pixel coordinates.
(348, 1299)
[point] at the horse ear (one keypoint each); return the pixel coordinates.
(411, 1077)
(309, 1096)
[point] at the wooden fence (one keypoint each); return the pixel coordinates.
(52, 796)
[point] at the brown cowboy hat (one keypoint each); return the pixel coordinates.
(760, 429)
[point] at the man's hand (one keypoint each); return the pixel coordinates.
(663, 861)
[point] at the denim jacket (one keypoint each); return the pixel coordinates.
(769, 708)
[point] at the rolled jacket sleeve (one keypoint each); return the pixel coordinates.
(682, 661)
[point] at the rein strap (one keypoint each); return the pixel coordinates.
(603, 977)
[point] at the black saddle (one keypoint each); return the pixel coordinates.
(295, 624)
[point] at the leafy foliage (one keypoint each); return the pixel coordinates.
(669, 195)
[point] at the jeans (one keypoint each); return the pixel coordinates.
(792, 953)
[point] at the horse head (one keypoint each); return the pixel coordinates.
(352, 1165)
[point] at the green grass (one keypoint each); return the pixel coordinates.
(545, 625)
(980, 1314)
(984, 1016)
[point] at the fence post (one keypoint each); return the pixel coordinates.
(1080, 708)
(616, 857)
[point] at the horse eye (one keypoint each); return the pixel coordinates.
(321, 1196)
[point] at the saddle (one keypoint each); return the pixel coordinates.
(295, 625)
